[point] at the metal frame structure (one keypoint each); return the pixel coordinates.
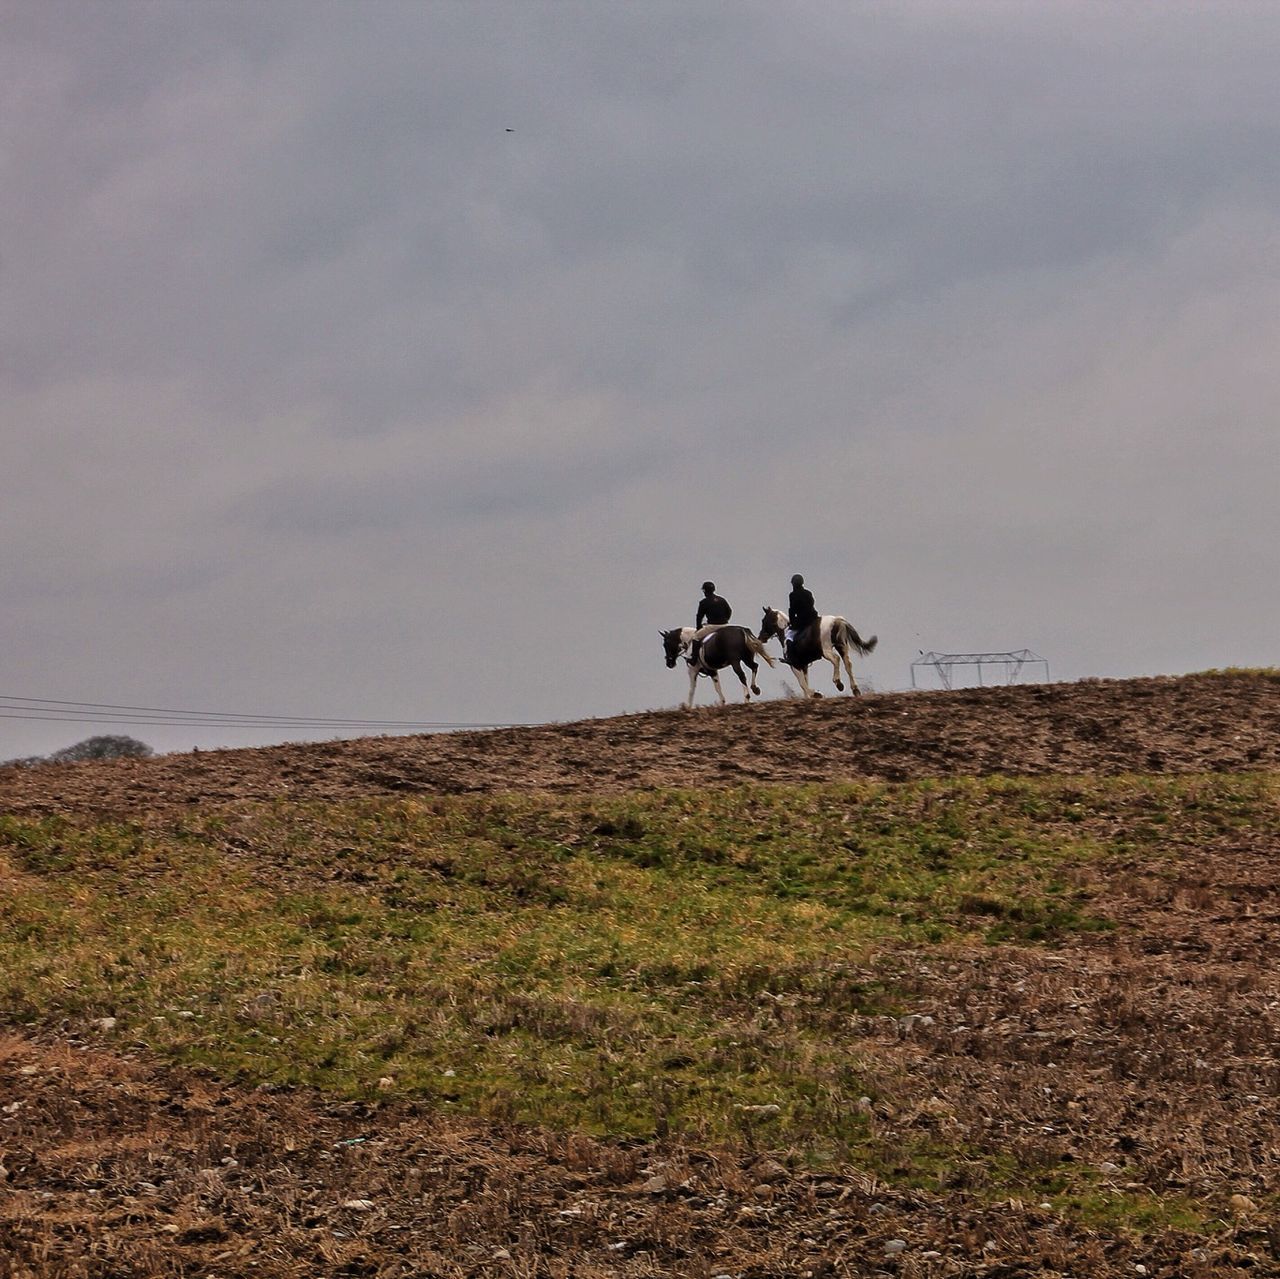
(1012, 663)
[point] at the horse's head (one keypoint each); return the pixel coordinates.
(672, 645)
(772, 625)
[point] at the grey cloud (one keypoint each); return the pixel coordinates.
(418, 503)
(965, 311)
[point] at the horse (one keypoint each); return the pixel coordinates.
(831, 637)
(717, 647)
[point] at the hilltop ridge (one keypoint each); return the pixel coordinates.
(1172, 724)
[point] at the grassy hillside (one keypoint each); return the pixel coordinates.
(979, 985)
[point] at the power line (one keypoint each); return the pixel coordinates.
(232, 723)
(55, 710)
(159, 710)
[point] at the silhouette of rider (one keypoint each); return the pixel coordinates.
(800, 610)
(713, 610)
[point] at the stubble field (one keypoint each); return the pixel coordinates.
(941, 984)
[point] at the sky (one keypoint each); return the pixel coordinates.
(418, 361)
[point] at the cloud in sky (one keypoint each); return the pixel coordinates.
(419, 361)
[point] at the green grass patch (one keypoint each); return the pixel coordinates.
(672, 962)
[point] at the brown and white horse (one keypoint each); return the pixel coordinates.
(717, 647)
(830, 637)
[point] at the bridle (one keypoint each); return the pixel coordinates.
(681, 650)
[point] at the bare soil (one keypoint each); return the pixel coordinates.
(1148, 1056)
(1201, 723)
(1145, 1058)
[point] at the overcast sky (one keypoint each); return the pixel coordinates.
(419, 361)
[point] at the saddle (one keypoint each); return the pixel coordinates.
(795, 635)
(695, 648)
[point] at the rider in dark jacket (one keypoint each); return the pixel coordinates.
(712, 609)
(800, 609)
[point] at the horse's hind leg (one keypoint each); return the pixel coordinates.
(742, 679)
(854, 690)
(755, 670)
(829, 652)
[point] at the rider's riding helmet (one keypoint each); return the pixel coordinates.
(709, 587)
(797, 580)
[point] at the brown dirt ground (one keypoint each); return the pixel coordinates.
(1148, 1054)
(1200, 723)
(118, 1167)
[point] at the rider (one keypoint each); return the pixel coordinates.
(800, 610)
(713, 610)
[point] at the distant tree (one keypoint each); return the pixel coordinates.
(102, 748)
(24, 761)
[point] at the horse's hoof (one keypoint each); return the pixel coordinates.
(840, 686)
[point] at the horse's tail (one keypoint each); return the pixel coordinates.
(756, 647)
(852, 637)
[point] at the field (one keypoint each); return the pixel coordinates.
(927, 984)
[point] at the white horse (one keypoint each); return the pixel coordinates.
(831, 637)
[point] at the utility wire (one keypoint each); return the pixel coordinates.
(53, 710)
(389, 729)
(158, 710)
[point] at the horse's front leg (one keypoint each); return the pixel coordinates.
(693, 685)
(715, 679)
(802, 679)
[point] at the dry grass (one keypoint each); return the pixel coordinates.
(121, 1167)
(1027, 1027)
(943, 997)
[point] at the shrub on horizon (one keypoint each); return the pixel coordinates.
(104, 747)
